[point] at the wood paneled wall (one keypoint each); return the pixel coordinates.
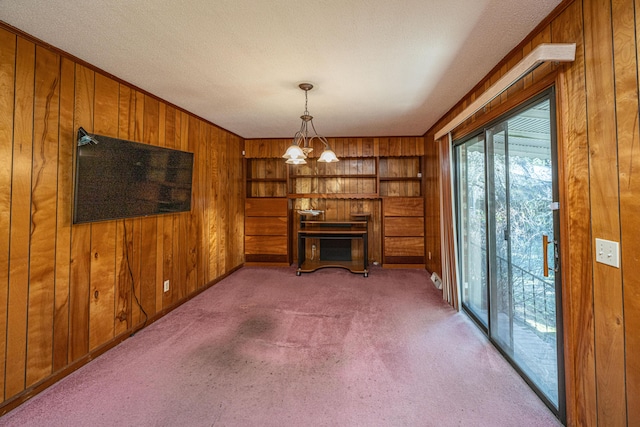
(599, 149)
(433, 258)
(346, 193)
(67, 290)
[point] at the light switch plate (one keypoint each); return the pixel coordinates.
(608, 252)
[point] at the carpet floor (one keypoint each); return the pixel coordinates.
(264, 347)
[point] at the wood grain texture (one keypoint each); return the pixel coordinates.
(69, 290)
(7, 88)
(403, 246)
(195, 216)
(236, 203)
(43, 224)
(404, 226)
(81, 234)
(66, 148)
(274, 245)
(214, 248)
(404, 206)
(432, 206)
(266, 207)
(223, 198)
(605, 223)
(343, 147)
(20, 207)
(573, 170)
(124, 235)
(102, 283)
(626, 54)
(159, 287)
(266, 226)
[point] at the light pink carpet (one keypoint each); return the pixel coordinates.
(267, 348)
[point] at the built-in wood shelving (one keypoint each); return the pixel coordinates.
(370, 171)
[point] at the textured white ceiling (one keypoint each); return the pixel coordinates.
(380, 68)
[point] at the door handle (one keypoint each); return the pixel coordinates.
(545, 255)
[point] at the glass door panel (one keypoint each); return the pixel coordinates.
(499, 243)
(472, 219)
(529, 177)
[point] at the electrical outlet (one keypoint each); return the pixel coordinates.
(166, 286)
(608, 252)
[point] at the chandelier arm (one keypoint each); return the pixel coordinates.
(321, 138)
(324, 141)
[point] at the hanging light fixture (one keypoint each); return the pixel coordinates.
(300, 148)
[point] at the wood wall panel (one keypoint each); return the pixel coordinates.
(81, 234)
(43, 223)
(103, 234)
(67, 291)
(628, 150)
(7, 82)
(343, 147)
(223, 198)
(626, 95)
(193, 219)
(63, 217)
(578, 285)
(432, 207)
(20, 208)
(605, 222)
(124, 244)
(598, 142)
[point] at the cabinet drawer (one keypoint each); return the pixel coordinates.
(265, 207)
(276, 245)
(412, 226)
(265, 226)
(403, 246)
(403, 206)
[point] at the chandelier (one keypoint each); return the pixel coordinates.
(302, 141)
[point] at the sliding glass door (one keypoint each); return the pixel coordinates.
(471, 198)
(508, 241)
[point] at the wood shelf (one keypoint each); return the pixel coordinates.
(282, 180)
(332, 196)
(400, 178)
(373, 176)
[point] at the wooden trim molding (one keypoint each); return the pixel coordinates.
(546, 52)
(506, 106)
